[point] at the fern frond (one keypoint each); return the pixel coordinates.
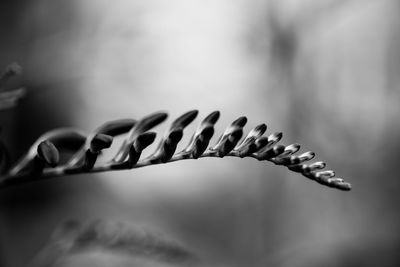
(42, 160)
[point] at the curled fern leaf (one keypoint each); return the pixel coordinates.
(230, 138)
(143, 141)
(142, 126)
(48, 153)
(87, 147)
(201, 138)
(111, 129)
(248, 145)
(98, 143)
(116, 127)
(63, 139)
(167, 146)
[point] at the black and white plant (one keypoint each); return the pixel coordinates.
(42, 161)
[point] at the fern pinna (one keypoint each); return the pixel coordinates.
(42, 161)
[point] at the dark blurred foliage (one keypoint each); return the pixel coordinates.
(323, 72)
(23, 27)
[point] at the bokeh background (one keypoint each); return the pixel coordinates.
(325, 72)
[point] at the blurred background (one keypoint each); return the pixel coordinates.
(325, 72)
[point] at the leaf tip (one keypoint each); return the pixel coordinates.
(212, 117)
(47, 151)
(100, 142)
